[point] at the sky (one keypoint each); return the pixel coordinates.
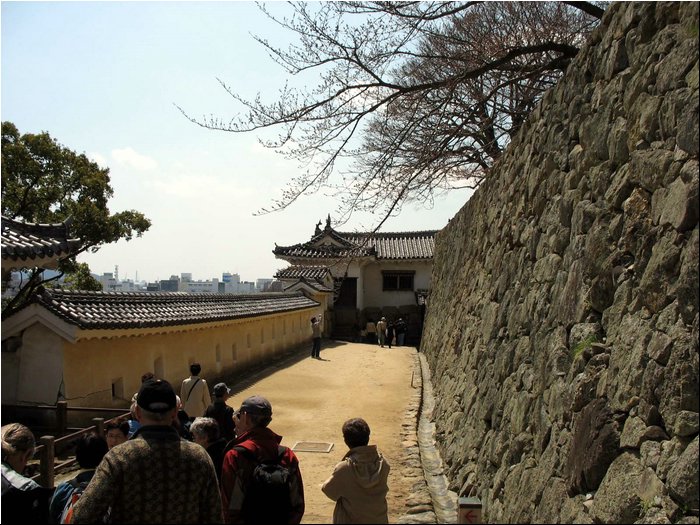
(104, 79)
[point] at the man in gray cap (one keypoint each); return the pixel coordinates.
(221, 412)
(154, 477)
(242, 494)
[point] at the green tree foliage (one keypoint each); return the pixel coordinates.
(82, 279)
(412, 98)
(45, 182)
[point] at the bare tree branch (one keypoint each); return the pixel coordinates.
(412, 98)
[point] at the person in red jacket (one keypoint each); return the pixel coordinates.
(256, 443)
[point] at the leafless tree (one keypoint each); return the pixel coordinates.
(412, 98)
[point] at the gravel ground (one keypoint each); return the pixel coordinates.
(312, 398)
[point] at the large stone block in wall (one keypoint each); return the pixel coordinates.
(596, 438)
(618, 500)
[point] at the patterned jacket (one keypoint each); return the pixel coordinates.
(263, 443)
(155, 477)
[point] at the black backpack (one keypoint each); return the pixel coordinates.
(268, 494)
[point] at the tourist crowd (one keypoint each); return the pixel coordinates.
(191, 459)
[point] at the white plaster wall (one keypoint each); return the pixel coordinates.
(40, 369)
(10, 374)
(372, 283)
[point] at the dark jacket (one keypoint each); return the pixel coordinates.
(223, 414)
(23, 500)
(262, 443)
(217, 451)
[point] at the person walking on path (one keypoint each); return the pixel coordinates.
(221, 412)
(155, 477)
(390, 333)
(316, 335)
(381, 331)
(358, 484)
(195, 393)
(256, 443)
(400, 328)
(371, 329)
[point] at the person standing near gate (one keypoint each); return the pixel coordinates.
(381, 331)
(194, 393)
(400, 328)
(316, 335)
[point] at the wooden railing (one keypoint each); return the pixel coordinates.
(49, 445)
(47, 450)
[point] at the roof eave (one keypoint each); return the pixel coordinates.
(36, 313)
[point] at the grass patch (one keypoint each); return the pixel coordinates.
(582, 345)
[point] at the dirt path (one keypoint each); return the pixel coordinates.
(311, 399)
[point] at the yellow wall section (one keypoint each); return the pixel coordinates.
(92, 366)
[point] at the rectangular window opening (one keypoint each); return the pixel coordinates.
(397, 281)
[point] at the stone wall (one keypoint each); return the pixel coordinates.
(562, 329)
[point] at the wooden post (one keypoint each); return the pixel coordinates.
(99, 423)
(61, 417)
(469, 510)
(46, 462)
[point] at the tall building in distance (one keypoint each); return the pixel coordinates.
(229, 283)
(261, 285)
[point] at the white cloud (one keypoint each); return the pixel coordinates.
(131, 158)
(196, 187)
(99, 159)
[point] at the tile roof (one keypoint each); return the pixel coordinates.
(314, 284)
(38, 243)
(399, 245)
(119, 310)
(387, 245)
(296, 271)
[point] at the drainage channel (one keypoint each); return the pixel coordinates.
(444, 500)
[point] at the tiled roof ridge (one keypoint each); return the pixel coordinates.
(334, 250)
(334, 234)
(303, 269)
(160, 296)
(417, 233)
(124, 310)
(49, 229)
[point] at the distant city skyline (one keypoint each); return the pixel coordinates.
(103, 79)
(117, 274)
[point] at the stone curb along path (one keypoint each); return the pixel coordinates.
(430, 500)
